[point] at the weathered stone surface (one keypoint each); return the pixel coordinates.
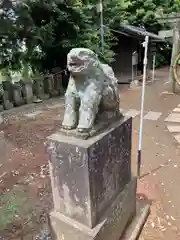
(5, 101)
(92, 91)
(49, 86)
(134, 229)
(8, 87)
(87, 175)
(58, 83)
(1, 119)
(53, 84)
(27, 91)
(110, 227)
(95, 130)
(38, 89)
(1, 108)
(17, 95)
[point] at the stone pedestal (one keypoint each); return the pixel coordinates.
(93, 190)
(27, 91)
(8, 87)
(38, 89)
(5, 101)
(17, 95)
(49, 86)
(1, 108)
(58, 83)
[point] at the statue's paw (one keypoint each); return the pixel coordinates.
(83, 130)
(68, 127)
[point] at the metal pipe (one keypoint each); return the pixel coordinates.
(145, 45)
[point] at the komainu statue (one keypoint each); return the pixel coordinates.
(92, 94)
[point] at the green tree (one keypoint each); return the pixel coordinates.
(50, 28)
(41, 32)
(146, 13)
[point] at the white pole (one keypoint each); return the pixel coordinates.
(145, 45)
(154, 64)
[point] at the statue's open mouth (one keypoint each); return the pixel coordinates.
(75, 67)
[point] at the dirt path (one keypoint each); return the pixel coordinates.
(24, 168)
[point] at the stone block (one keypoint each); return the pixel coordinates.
(5, 101)
(48, 83)
(110, 227)
(8, 87)
(1, 108)
(27, 91)
(1, 119)
(38, 89)
(52, 85)
(7, 105)
(17, 96)
(87, 175)
(58, 83)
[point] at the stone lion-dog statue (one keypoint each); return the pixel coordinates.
(92, 93)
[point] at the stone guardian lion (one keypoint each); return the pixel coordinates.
(92, 92)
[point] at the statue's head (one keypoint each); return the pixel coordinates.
(81, 61)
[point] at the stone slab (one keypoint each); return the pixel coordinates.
(173, 117)
(176, 110)
(28, 93)
(134, 229)
(174, 128)
(177, 137)
(110, 227)
(132, 113)
(154, 116)
(87, 174)
(98, 128)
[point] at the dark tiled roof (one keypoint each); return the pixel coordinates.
(139, 32)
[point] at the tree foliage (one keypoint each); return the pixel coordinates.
(50, 28)
(41, 32)
(146, 13)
